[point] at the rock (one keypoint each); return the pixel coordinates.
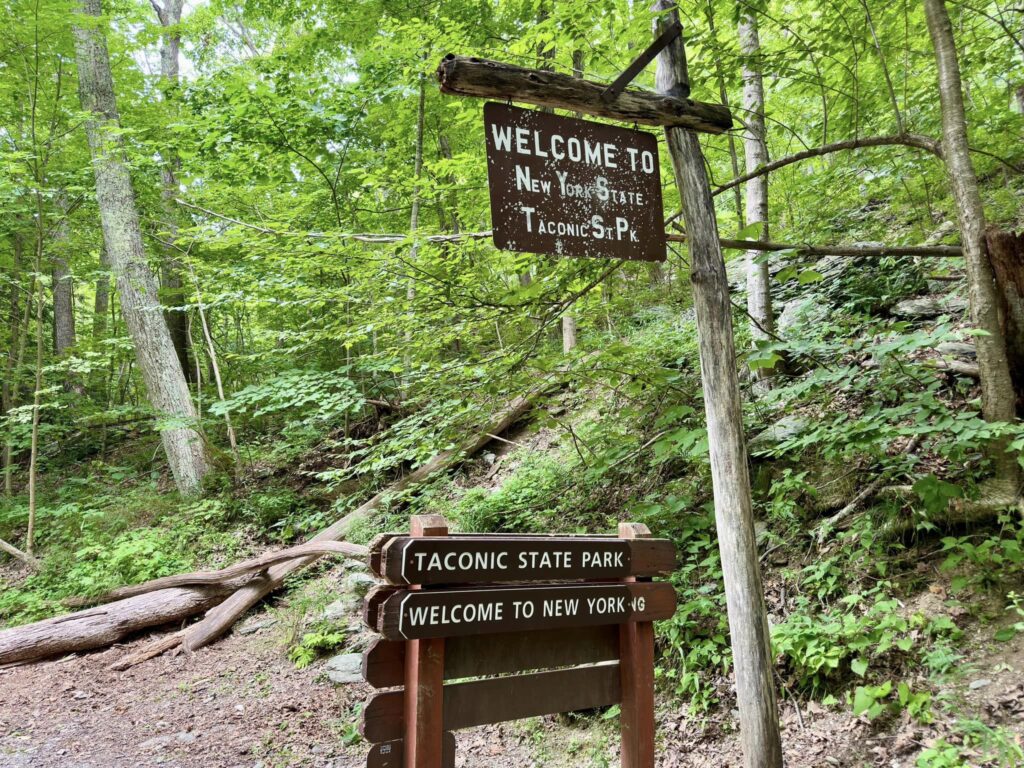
(976, 684)
(345, 668)
(255, 624)
(931, 306)
(185, 737)
(944, 229)
(336, 611)
(958, 349)
(156, 743)
(800, 312)
(783, 429)
(358, 584)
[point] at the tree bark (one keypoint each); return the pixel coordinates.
(9, 390)
(63, 287)
(169, 16)
(569, 319)
(101, 301)
(140, 305)
(748, 621)
(1006, 254)
(997, 394)
(755, 150)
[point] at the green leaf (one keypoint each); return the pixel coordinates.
(859, 667)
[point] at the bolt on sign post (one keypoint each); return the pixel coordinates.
(466, 606)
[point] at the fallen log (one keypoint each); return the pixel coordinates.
(17, 554)
(220, 619)
(105, 625)
(227, 594)
(231, 573)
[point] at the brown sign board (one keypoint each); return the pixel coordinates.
(570, 187)
(502, 653)
(498, 699)
(420, 614)
(484, 559)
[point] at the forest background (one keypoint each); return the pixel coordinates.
(305, 310)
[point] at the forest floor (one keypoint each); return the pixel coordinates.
(242, 703)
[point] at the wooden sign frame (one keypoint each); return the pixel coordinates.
(464, 674)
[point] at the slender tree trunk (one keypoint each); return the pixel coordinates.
(169, 16)
(63, 288)
(723, 95)
(997, 394)
(759, 299)
(748, 620)
(9, 388)
(212, 352)
(569, 319)
(30, 536)
(140, 304)
(414, 215)
(101, 302)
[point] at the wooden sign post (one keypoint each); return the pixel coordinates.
(680, 116)
(584, 637)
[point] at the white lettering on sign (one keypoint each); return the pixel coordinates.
(600, 153)
(572, 187)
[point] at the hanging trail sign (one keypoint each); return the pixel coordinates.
(570, 187)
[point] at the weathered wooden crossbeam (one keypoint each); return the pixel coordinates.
(482, 78)
(481, 702)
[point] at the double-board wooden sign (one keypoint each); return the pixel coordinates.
(571, 187)
(583, 637)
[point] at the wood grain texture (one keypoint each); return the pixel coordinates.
(500, 699)
(734, 518)
(470, 76)
(498, 654)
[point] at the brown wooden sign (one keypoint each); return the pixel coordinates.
(483, 559)
(456, 656)
(421, 614)
(570, 187)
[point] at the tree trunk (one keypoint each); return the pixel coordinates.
(748, 621)
(169, 16)
(9, 389)
(569, 319)
(723, 94)
(63, 289)
(755, 150)
(158, 361)
(1006, 254)
(997, 394)
(101, 302)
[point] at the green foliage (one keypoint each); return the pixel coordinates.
(820, 649)
(315, 644)
(992, 558)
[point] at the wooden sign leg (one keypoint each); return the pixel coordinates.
(424, 680)
(636, 667)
